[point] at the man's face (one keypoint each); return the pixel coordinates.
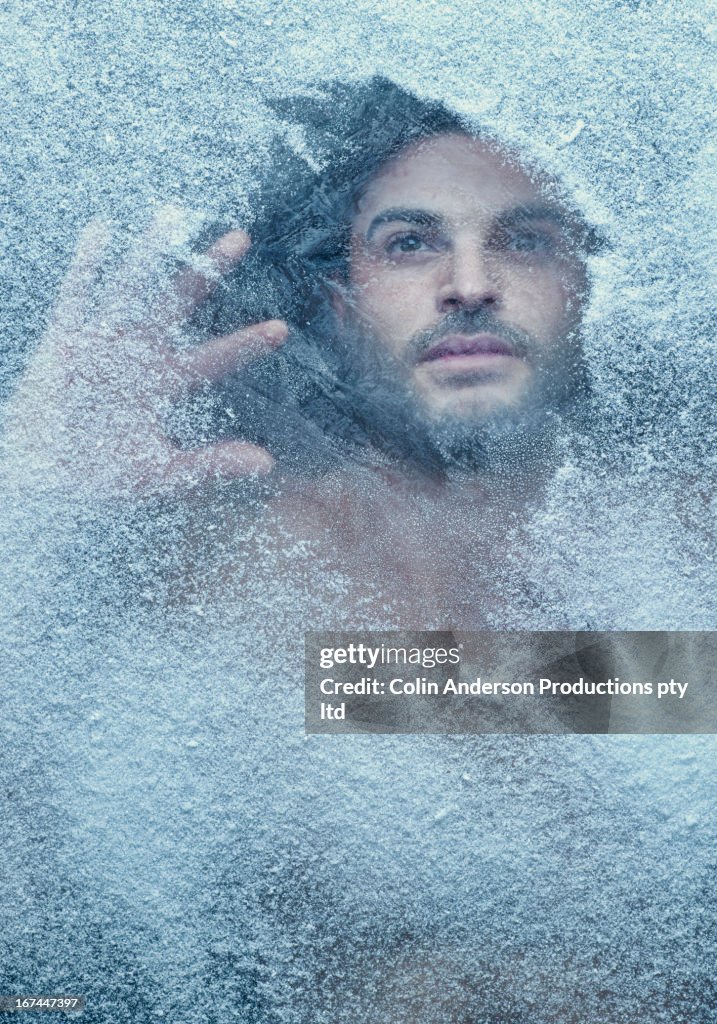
(465, 279)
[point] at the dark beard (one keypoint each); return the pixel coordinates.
(334, 396)
(512, 441)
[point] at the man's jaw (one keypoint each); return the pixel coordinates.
(474, 438)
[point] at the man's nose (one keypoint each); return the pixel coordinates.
(469, 280)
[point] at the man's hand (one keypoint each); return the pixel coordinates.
(89, 415)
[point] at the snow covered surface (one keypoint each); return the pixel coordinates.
(174, 846)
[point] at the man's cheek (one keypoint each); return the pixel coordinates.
(542, 309)
(537, 293)
(391, 315)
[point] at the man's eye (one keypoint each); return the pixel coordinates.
(528, 240)
(408, 243)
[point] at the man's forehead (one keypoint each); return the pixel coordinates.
(457, 174)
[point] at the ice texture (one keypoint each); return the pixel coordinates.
(174, 847)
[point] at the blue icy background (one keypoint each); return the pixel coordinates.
(174, 847)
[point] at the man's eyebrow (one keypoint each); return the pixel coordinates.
(568, 220)
(534, 211)
(402, 213)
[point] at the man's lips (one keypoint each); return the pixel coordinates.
(455, 346)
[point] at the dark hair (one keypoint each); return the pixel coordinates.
(350, 132)
(299, 399)
(303, 210)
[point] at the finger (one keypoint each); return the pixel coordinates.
(193, 286)
(76, 288)
(217, 359)
(134, 288)
(220, 463)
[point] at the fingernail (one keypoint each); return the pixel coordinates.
(230, 247)
(233, 241)
(262, 463)
(274, 330)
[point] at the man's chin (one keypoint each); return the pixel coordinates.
(474, 411)
(505, 437)
(511, 428)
